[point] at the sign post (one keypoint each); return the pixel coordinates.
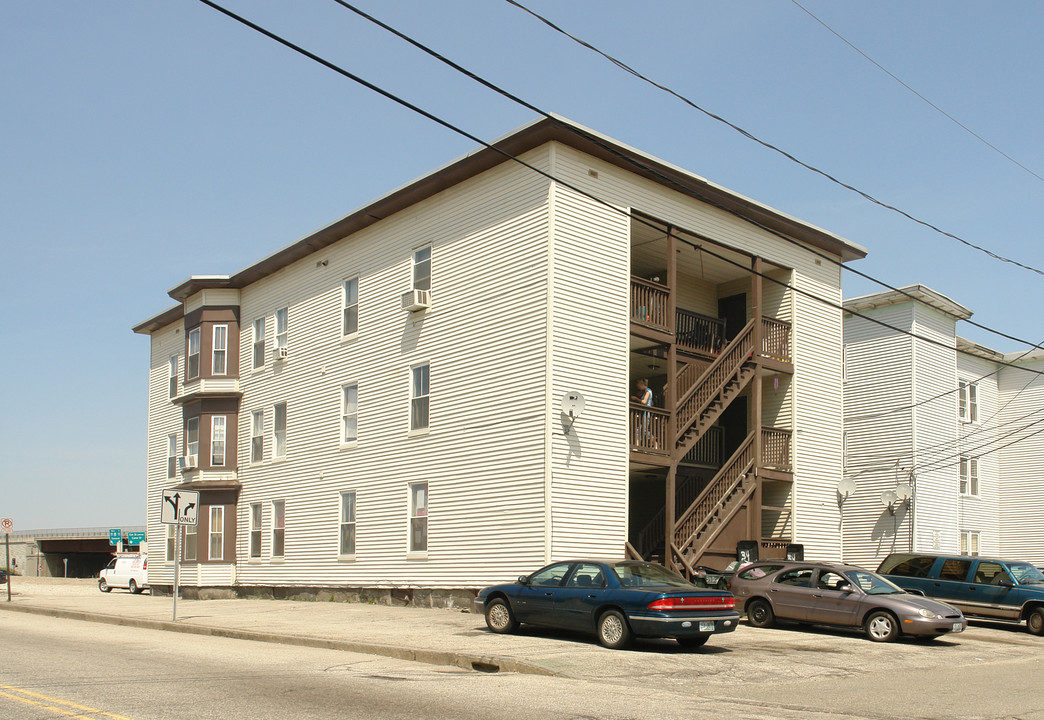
(6, 526)
(177, 508)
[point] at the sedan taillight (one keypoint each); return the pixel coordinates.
(712, 602)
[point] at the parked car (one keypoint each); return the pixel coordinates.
(836, 594)
(126, 570)
(1002, 590)
(616, 600)
(3, 576)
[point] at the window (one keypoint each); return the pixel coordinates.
(988, 573)
(908, 565)
(278, 527)
(172, 374)
(217, 440)
(171, 535)
(282, 324)
(217, 532)
(259, 343)
(257, 436)
(349, 413)
(255, 530)
(347, 523)
(550, 576)
(419, 405)
(279, 430)
(587, 575)
(189, 551)
(957, 570)
(193, 354)
(422, 268)
(419, 517)
(192, 436)
(969, 546)
(172, 456)
(831, 580)
(219, 366)
(350, 307)
(800, 577)
(969, 474)
(968, 401)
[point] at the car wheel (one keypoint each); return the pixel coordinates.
(613, 631)
(103, 586)
(499, 617)
(760, 614)
(693, 642)
(1035, 622)
(881, 626)
(133, 587)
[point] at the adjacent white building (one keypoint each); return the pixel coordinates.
(952, 433)
(379, 404)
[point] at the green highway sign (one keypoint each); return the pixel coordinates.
(115, 535)
(135, 538)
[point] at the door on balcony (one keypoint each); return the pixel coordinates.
(733, 310)
(733, 422)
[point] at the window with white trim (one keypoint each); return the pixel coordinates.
(347, 545)
(192, 436)
(257, 436)
(278, 527)
(419, 396)
(349, 413)
(418, 517)
(189, 551)
(279, 430)
(282, 327)
(171, 537)
(172, 376)
(256, 510)
(422, 268)
(350, 307)
(192, 370)
(172, 456)
(217, 532)
(969, 475)
(219, 364)
(259, 343)
(969, 542)
(968, 401)
(217, 440)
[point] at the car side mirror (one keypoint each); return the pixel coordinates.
(1005, 582)
(843, 587)
(523, 580)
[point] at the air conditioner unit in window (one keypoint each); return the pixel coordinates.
(279, 353)
(416, 300)
(187, 462)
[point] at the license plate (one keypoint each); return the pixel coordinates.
(957, 627)
(713, 579)
(706, 626)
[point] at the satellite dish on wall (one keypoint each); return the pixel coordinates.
(846, 487)
(573, 404)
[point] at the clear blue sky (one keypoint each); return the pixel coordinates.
(143, 142)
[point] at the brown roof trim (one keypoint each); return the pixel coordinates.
(154, 323)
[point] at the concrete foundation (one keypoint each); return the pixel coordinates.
(454, 599)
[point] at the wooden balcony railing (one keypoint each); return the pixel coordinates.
(649, 304)
(648, 429)
(708, 450)
(700, 333)
(775, 449)
(775, 339)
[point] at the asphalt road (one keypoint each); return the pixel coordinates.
(52, 668)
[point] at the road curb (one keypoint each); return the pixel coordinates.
(467, 661)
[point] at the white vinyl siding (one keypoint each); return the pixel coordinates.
(172, 455)
(1022, 493)
(219, 362)
(350, 307)
(420, 400)
(349, 413)
(192, 370)
(217, 440)
(217, 533)
(347, 528)
(258, 346)
(257, 436)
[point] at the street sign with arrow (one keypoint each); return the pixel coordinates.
(179, 507)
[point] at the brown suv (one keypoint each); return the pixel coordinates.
(836, 594)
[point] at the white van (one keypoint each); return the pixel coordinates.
(126, 570)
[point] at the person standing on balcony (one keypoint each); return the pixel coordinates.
(645, 393)
(645, 397)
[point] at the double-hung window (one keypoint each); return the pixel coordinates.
(969, 475)
(217, 532)
(282, 327)
(969, 542)
(172, 534)
(968, 401)
(347, 546)
(219, 366)
(172, 456)
(422, 268)
(419, 400)
(257, 436)
(172, 376)
(255, 530)
(279, 430)
(192, 436)
(189, 551)
(350, 307)
(349, 413)
(418, 517)
(278, 527)
(259, 343)
(217, 440)
(192, 370)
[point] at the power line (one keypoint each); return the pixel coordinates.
(624, 66)
(647, 168)
(892, 75)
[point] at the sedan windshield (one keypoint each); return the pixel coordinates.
(1026, 574)
(872, 583)
(641, 574)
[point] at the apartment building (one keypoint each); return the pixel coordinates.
(394, 400)
(942, 441)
